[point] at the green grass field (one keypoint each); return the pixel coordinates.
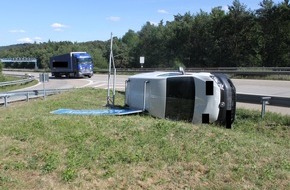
(39, 150)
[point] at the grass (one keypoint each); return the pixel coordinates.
(14, 87)
(4, 78)
(39, 150)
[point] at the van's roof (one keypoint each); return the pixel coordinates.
(163, 74)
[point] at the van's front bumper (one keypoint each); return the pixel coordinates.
(228, 101)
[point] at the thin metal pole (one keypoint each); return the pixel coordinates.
(114, 79)
(111, 61)
(35, 65)
(43, 81)
(114, 86)
(109, 71)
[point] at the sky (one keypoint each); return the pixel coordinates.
(29, 21)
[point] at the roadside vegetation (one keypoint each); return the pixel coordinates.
(17, 86)
(4, 78)
(7, 78)
(236, 37)
(39, 150)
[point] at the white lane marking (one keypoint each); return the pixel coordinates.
(119, 86)
(99, 85)
(31, 87)
(89, 83)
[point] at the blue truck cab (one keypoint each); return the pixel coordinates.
(73, 64)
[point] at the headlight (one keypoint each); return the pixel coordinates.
(217, 81)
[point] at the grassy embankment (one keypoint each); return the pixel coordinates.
(39, 150)
(14, 87)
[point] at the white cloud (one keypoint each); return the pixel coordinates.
(29, 40)
(25, 40)
(114, 18)
(58, 29)
(17, 31)
(153, 23)
(225, 8)
(162, 11)
(37, 39)
(58, 26)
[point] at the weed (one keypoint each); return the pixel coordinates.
(50, 162)
(69, 174)
(5, 180)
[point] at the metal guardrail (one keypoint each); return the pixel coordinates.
(261, 71)
(246, 98)
(22, 81)
(249, 71)
(26, 95)
(264, 100)
(258, 99)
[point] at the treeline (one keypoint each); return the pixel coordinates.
(43, 52)
(239, 37)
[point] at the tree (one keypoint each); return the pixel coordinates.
(43, 51)
(239, 41)
(152, 45)
(275, 23)
(235, 38)
(179, 44)
(130, 43)
(217, 16)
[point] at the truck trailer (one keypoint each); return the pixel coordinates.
(192, 97)
(73, 64)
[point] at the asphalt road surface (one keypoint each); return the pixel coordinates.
(245, 86)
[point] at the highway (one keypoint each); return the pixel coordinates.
(263, 87)
(244, 86)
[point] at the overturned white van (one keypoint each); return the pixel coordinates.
(193, 97)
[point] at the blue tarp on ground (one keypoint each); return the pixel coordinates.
(96, 112)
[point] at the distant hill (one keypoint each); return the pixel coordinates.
(12, 46)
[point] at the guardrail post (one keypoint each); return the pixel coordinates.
(27, 97)
(5, 101)
(264, 100)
